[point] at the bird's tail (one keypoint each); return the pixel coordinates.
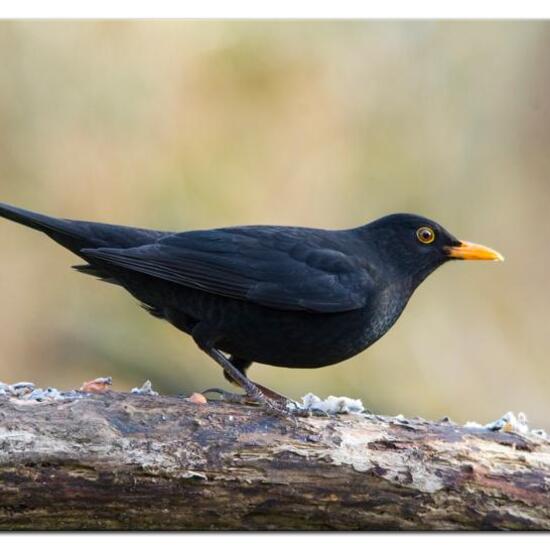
(64, 232)
(76, 235)
(28, 218)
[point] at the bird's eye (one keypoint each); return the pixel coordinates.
(425, 235)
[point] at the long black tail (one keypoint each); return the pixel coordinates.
(76, 235)
(30, 219)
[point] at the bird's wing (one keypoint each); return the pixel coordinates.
(286, 269)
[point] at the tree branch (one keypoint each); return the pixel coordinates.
(119, 461)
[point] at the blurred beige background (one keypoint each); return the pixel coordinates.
(183, 125)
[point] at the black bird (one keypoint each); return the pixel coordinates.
(285, 296)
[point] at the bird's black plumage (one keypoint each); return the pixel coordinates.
(284, 296)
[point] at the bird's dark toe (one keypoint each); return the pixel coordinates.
(231, 397)
(276, 407)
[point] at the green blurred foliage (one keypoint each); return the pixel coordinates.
(188, 124)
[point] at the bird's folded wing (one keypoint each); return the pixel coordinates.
(280, 272)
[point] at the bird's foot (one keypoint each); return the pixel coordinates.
(280, 406)
(231, 397)
(282, 402)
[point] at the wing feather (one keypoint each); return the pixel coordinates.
(289, 271)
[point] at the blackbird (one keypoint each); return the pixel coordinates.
(291, 297)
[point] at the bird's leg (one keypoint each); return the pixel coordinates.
(207, 342)
(243, 365)
(237, 376)
(253, 393)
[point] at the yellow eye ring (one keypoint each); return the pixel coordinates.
(425, 235)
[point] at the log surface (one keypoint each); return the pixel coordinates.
(120, 461)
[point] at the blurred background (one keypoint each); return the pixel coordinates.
(192, 124)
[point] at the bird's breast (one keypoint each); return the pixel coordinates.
(277, 337)
(383, 312)
(300, 339)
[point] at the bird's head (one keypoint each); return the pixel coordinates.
(412, 246)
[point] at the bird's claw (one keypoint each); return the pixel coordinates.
(231, 397)
(275, 407)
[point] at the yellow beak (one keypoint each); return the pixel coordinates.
(472, 251)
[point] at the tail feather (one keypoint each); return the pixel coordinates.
(76, 235)
(30, 219)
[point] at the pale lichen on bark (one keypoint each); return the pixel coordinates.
(121, 461)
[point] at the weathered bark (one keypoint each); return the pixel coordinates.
(119, 461)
